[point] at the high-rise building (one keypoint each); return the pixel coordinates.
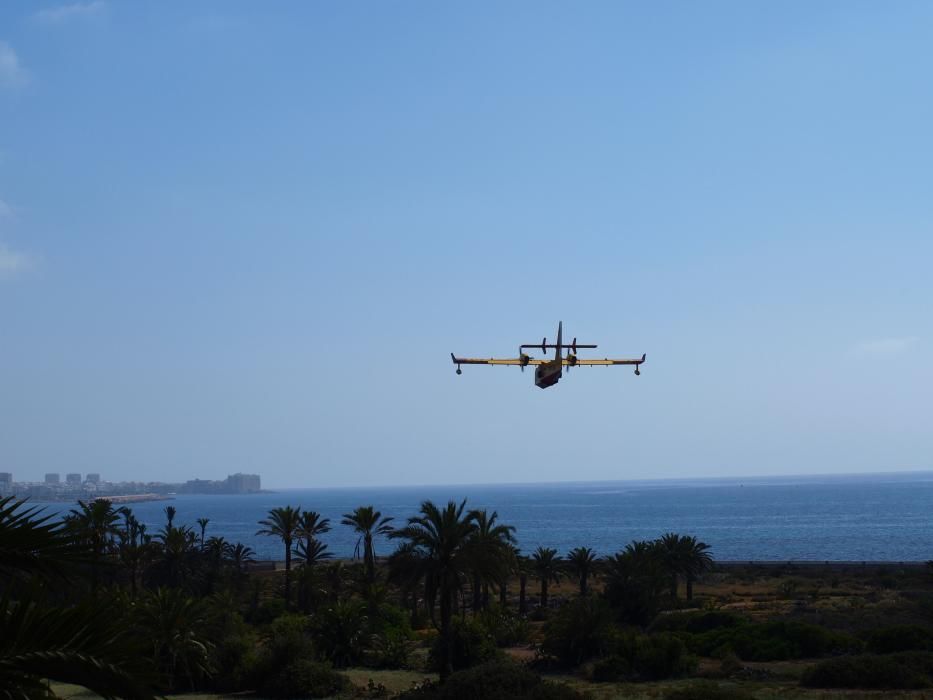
(52, 478)
(73, 479)
(243, 483)
(93, 478)
(6, 483)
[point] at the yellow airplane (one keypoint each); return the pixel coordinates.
(548, 372)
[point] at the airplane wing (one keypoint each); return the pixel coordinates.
(517, 362)
(606, 362)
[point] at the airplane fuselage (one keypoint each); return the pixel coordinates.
(548, 374)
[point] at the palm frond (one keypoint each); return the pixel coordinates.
(33, 543)
(80, 645)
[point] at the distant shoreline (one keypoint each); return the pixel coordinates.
(811, 564)
(691, 480)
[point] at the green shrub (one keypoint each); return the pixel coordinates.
(661, 656)
(339, 632)
(390, 616)
(472, 645)
(236, 656)
(906, 670)
(506, 627)
(579, 630)
(730, 665)
(267, 611)
(390, 648)
(305, 678)
(641, 657)
(611, 669)
(887, 640)
(287, 638)
(284, 641)
(498, 680)
(707, 690)
(233, 652)
(772, 641)
(696, 622)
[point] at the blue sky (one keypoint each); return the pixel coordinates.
(243, 236)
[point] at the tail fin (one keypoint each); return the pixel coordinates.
(560, 330)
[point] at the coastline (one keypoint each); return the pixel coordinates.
(785, 564)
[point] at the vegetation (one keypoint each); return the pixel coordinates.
(283, 523)
(646, 658)
(96, 600)
(707, 690)
(582, 562)
(440, 540)
(548, 567)
(40, 638)
(776, 640)
(581, 630)
(891, 671)
(498, 680)
(368, 523)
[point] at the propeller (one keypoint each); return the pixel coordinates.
(544, 345)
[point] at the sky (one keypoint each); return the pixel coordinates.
(241, 236)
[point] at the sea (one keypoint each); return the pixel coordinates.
(868, 517)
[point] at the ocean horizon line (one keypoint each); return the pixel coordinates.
(903, 473)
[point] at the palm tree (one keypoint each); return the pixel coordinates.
(95, 523)
(310, 527)
(511, 568)
(173, 624)
(697, 561)
(489, 555)
(672, 555)
(217, 545)
(214, 558)
(202, 523)
(177, 551)
(80, 644)
(340, 629)
(523, 567)
(441, 538)
(133, 547)
(582, 561)
(336, 577)
(407, 571)
(312, 552)
(635, 582)
(240, 557)
(169, 515)
(367, 523)
(313, 525)
(283, 523)
(547, 565)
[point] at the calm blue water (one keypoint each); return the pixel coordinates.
(865, 517)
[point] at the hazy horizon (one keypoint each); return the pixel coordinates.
(246, 238)
(672, 479)
(908, 474)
